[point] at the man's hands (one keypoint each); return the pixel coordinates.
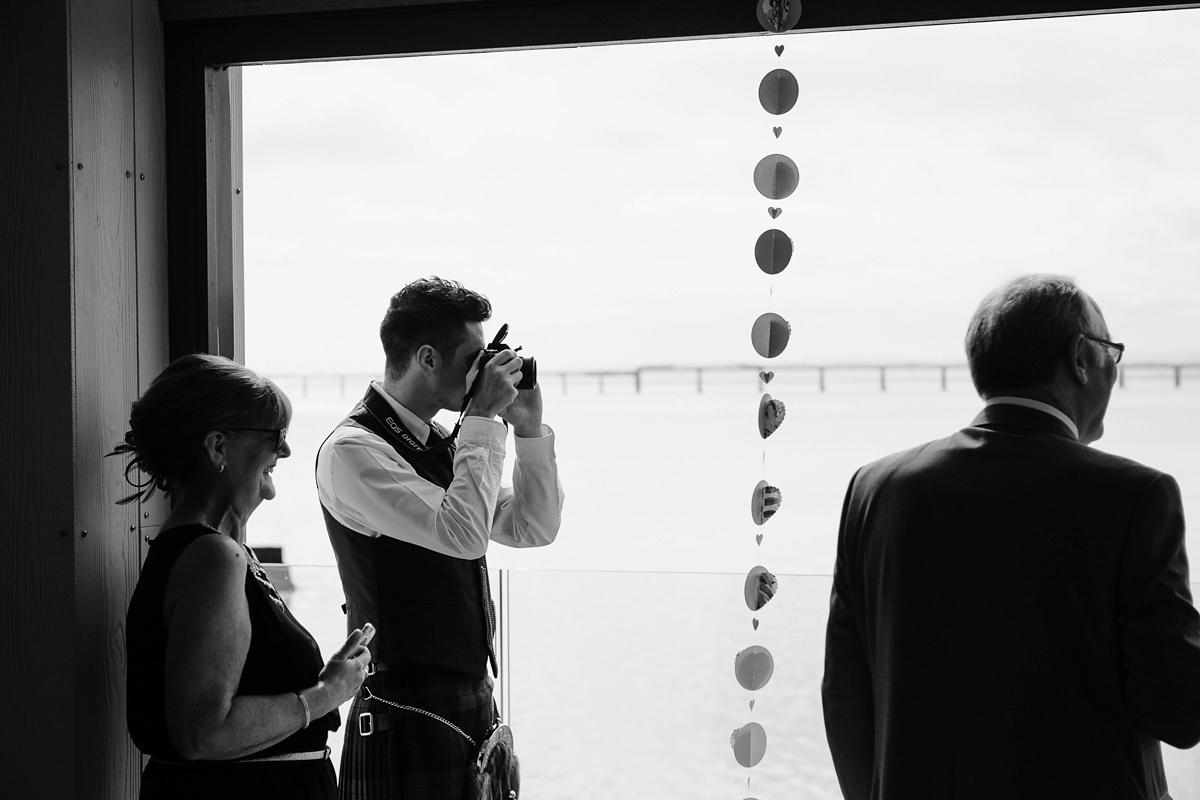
(525, 413)
(497, 395)
(498, 385)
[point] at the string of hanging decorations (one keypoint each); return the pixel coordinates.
(776, 178)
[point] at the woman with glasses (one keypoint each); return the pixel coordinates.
(227, 692)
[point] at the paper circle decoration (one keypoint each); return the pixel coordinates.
(773, 251)
(778, 16)
(760, 588)
(778, 91)
(770, 335)
(749, 744)
(770, 415)
(753, 667)
(776, 176)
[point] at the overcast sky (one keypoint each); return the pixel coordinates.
(603, 198)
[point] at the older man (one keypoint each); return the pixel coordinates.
(1010, 615)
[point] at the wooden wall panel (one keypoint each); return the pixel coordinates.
(150, 195)
(106, 381)
(36, 414)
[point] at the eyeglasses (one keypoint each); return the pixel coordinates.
(1110, 346)
(280, 435)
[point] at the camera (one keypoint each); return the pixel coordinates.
(528, 365)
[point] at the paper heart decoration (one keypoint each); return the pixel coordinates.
(751, 705)
(764, 502)
(778, 49)
(774, 212)
(771, 413)
(777, 131)
(758, 538)
(766, 377)
(754, 622)
(760, 587)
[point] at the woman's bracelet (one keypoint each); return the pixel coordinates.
(307, 712)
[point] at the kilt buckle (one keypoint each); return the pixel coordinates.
(366, 723)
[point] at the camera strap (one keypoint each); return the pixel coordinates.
(470, 395)
(382, 420)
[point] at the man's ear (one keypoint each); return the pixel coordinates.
(427, 359)
(1080, 360)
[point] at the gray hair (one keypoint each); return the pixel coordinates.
(1019, 334)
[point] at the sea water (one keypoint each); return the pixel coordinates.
(619, 638)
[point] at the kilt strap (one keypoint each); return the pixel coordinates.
(369, 723)
(367, 719)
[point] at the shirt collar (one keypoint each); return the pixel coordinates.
(1038, 406)
(416, 426)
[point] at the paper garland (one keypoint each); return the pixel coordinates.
(777, 16)
(771, 413)
(776, 177)
(773, 250)
(770, 335)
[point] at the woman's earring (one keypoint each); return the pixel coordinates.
(222, 467)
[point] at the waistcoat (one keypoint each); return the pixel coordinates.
(427, 608)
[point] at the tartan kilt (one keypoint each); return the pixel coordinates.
(418, 758)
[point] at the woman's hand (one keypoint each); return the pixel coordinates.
(347, 668)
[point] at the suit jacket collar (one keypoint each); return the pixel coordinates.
(1007, 416)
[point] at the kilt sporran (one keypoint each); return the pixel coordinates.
(494, 772)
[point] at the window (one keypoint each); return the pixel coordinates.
(602, 198)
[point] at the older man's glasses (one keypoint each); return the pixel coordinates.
(280, 435)
(1115, 349)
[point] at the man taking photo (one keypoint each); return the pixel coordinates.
(410, 511)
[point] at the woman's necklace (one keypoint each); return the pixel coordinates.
(260, 574)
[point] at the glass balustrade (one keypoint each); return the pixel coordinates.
(621, 684)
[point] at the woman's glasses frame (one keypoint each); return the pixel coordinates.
(280, 435)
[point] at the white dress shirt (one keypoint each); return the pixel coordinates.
(368, 487)
(1037, 406)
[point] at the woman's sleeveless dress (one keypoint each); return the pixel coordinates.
(283, 657)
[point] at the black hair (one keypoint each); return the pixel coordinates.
(1019, 335)
(194, 395)
(430, 311)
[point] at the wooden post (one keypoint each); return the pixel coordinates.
(821, 379)
(223, 164)
(883, 379)
(943, 379)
